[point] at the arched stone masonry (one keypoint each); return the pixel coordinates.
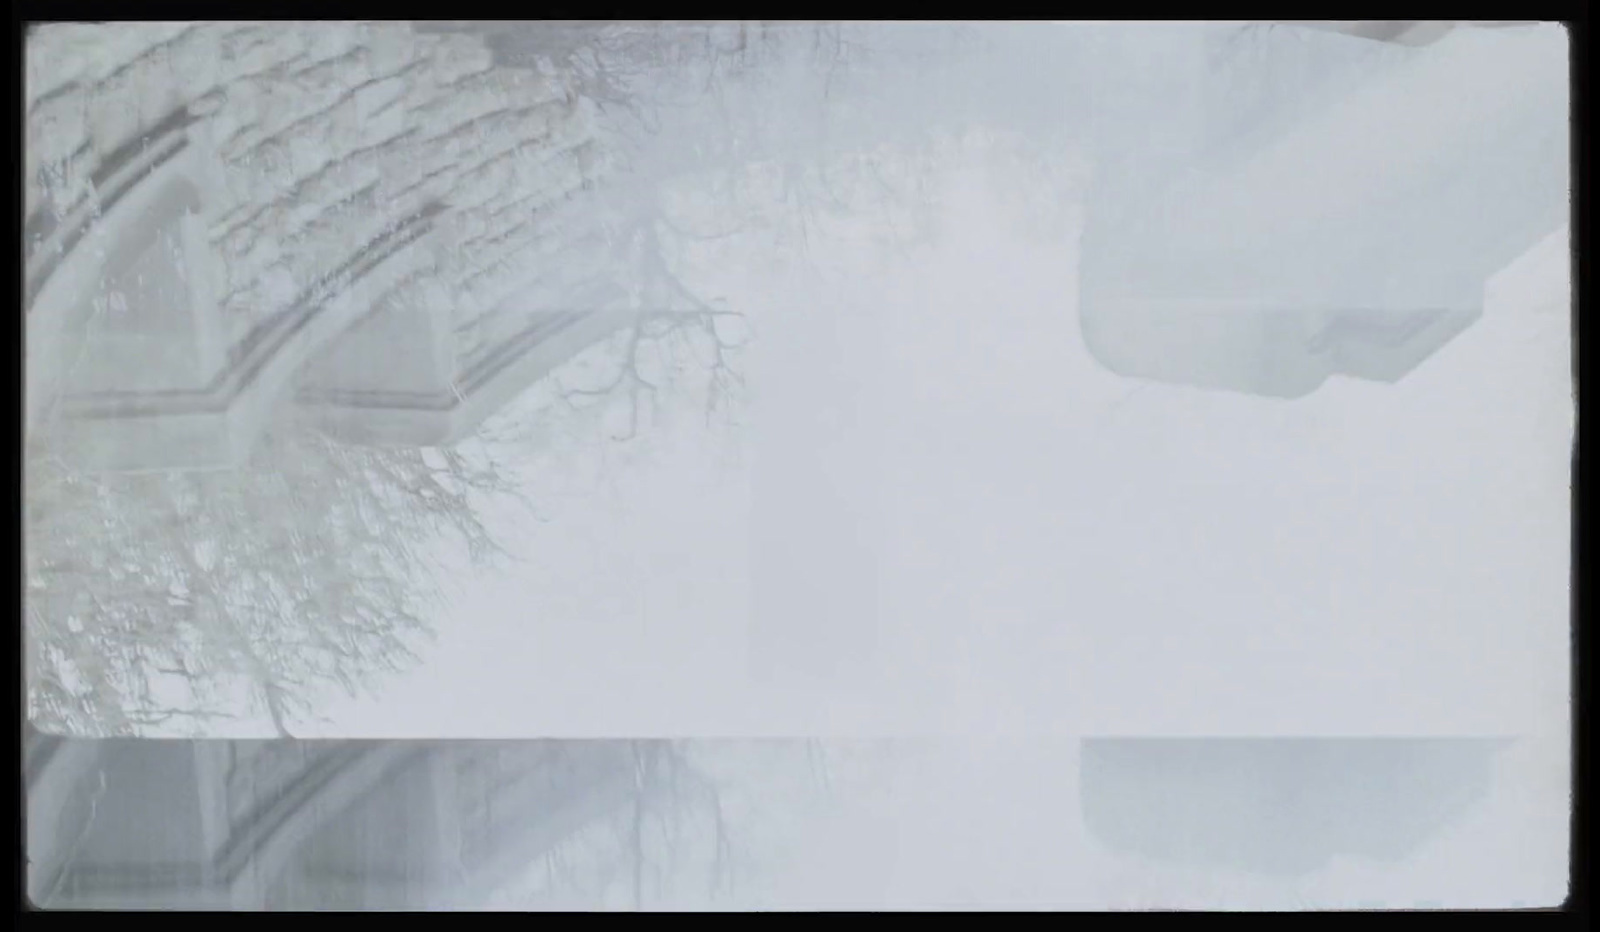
(147, 189)
(285, 824)
(306, 184)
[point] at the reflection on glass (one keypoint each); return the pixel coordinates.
(508, 379)
(276, 273)
(1278, 806)
(904, 824)
(290, 825)
(1396, 198)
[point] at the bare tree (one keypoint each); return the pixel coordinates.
(725, 131)
(704, 817)
(155, 600)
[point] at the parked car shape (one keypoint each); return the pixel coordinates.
(1356, 240)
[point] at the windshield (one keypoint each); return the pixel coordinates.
(624, 380)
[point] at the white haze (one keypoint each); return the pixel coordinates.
(942, 515)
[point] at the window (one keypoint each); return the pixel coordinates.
(146, 333)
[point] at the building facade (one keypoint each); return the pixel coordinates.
(381, 227)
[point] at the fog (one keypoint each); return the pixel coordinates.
(941, 514)
(974, 388)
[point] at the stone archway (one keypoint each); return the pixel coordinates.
(152, 326)
(276, 216)
(77, 255)
(220, 824)
(399, 379)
